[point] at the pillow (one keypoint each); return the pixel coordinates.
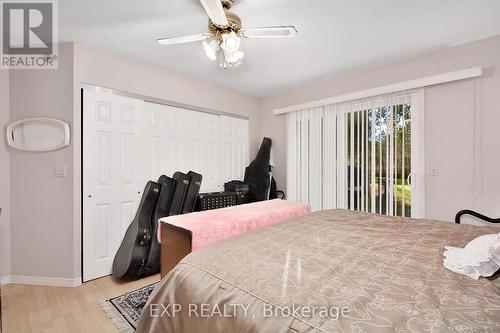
(480, 257)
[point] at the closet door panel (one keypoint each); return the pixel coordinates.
(113, 175)
(202, 153)
(184, 140)
(234, 148)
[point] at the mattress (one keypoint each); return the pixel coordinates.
(330, 271)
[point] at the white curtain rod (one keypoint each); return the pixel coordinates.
(390, 88)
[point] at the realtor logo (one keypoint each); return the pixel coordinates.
(29, 34)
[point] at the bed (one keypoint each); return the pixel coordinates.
(329, 271)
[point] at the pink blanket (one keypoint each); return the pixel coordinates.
(211, 226)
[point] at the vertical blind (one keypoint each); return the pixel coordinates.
(353, 155)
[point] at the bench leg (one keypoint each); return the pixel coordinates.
(175, 245)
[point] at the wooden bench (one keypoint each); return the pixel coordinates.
(181, 234)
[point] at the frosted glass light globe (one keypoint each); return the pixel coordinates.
(230, 42)
(210, 49)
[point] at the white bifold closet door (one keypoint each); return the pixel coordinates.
(127, 142)
(234, 148)
(366, 155)
(182, 140)
(113, 173)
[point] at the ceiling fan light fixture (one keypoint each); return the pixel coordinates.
(237, 57)
(232, 59)
(211, 48)
(230, 42)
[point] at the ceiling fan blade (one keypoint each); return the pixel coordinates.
(270, 32)
(215, 11)
(184, 39)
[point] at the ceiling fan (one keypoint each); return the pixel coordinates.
(225, 34)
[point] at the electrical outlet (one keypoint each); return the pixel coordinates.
(434, 171)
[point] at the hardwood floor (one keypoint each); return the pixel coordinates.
(40, 309)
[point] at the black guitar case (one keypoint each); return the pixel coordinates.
(257, 173)
(162, 208)
(133, 251)
(275, 193)
(192, 192)
(181, 185)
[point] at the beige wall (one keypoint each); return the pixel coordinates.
(41, 205)
(46, 211)
(449, 123)
(4, 178)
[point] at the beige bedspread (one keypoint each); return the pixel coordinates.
(330, 271)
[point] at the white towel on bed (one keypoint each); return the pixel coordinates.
(480, 257)
(494, 252)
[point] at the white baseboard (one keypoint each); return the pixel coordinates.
(4, 280)
(41, 281)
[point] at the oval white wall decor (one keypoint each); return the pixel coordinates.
(38, 134)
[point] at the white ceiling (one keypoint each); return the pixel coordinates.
(335, 36)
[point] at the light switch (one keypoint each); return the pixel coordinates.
(434, 171)
(60, 171)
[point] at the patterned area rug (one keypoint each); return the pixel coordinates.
(125, 310)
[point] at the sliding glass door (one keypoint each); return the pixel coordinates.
(366, 156)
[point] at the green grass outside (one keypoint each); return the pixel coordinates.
(398, 188)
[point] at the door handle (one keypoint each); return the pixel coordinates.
(409, 180)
